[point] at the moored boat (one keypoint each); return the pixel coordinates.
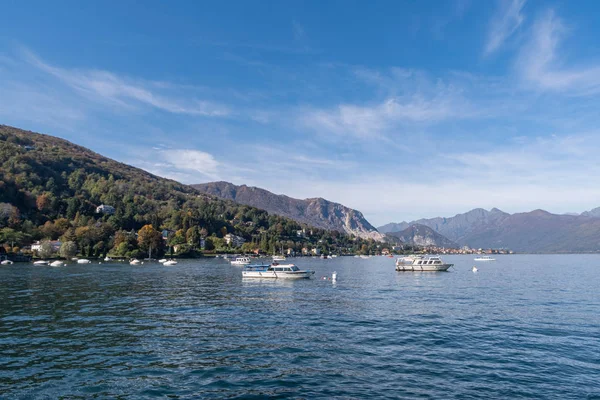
(83, 261)
(40, 262)
(278, 258)
(134, 261)
(241, 261)
(169, 263)
(57, 263)
(6, 262)
(421, 263)
(275, 271)
(484, 258)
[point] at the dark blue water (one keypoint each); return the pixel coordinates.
(522, 327)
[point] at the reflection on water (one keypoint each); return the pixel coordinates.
(520, 328)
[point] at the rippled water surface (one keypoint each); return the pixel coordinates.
(521, 327)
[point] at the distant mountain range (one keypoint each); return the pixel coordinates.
(535, 231)
(422, 235)
(316, 212)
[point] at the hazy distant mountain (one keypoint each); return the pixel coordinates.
(535, 231)
(317, 212)
(455, 228)
(422, 235)
(592, 213)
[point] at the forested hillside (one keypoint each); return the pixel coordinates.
(51, 188)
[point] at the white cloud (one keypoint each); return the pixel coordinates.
(375, 121)
(190, 161)
(504, 24)
(540, 65)
(103, 85)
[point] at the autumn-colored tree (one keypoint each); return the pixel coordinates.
(148, 237)
(43, 201)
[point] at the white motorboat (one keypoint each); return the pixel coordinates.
(168, 263)
(163, 260)
(421, 263)
(107, 259)
(134, 261)
(278, 258)
(40, 262)
(484, 258)
(6, 262)
(57, 263)
(83, 261)
(241, 261)
(275, 271)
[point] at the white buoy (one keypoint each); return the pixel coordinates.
(474, 269)
(334, 276)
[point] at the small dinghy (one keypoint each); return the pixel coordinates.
(57, 263)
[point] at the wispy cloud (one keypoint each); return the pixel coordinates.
(411, 99)
(505, 23)
(106, 86)
(540, 65)
(193, 161)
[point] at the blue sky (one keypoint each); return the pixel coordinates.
(401, 109)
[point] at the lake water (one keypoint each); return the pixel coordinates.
(525, 326)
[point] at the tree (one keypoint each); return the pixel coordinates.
(148, 237)
(68, 250)
(46, 249)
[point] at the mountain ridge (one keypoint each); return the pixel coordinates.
(315, 211)
(537, 231)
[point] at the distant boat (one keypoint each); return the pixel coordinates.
(107, 259)
(163, 260)
(474, 269)
(83, 261)
(57, 263)
(134, 261)
(484, 258)
(6, 262)
(275, 271)
(241, 261)
(279, 258)
(40, 262)
(421, 263)
(168, 263)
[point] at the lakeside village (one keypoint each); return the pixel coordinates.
(61, 240)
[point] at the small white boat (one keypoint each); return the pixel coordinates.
(134, 261)
(241, 261)
(163, 260)
(57, 263)
(107, 259)
(170, 262)
(40, 262)
(83, 261)
(275, 271)
(421, 263)
(363, 256)
(278, 258)
(474, 269)
(333, 256)
(484, 258)
(6, 262)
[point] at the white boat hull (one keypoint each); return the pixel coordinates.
(6, 262)
(423, 268)
(277, 275)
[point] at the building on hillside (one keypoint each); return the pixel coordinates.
(290, 252)
(104, 209)
(316, 251)
(385, 251)
(301, 233)
(305, 251)
(233, 240)
(37, 246)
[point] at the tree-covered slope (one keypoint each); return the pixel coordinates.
(50, 188)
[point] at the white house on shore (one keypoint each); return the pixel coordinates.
(233, 240)
(37, 246)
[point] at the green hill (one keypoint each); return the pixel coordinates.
(51, 188)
